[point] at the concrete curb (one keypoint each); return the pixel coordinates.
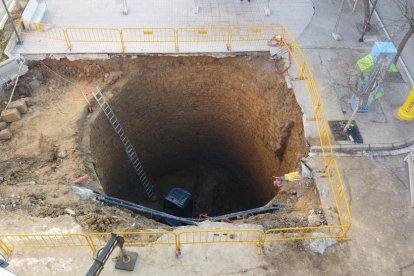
(376, 149)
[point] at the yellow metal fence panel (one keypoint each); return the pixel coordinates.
(255, 33)
(203, 34)
(40, 30)
(6, 250)
(93, 35)
(45, 240)
(148, 35)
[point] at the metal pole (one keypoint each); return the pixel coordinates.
(125, 8)
(335, 35)
(361, 39)
(12, 22)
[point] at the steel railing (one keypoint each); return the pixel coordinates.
(228, 36)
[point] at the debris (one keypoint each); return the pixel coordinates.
(29, 101)
(10, 115)
(319, 245)
(83, 193)
(314, 220)
(306, 171)
(27, 183)
(5, 134)
(81, 179)
(62, 153)
(70, 212)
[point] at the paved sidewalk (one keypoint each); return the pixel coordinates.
(161, 14)
(332, 63)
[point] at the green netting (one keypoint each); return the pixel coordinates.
(366, 64)
(393, 68)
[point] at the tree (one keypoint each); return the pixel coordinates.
(407, 11)
(367, 17)
(366, 13)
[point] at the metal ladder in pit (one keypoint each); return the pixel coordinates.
(130, 150)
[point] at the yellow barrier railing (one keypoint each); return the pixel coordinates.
(230, 37)
(222, 236)
(6, 250)
(137, 239)
(170, 38)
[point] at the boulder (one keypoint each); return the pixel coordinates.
(19, 105)
(10, 115)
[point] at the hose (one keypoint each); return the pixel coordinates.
(276, 42)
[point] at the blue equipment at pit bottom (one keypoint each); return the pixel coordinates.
(178, 202)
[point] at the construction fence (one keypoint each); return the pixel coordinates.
(151, 40)
(229, 37)
(94, 241)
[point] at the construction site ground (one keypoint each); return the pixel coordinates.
(380, 241)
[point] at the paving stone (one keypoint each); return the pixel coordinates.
(20, 105)
(5, 134)
(10, 115)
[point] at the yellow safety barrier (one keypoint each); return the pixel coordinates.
(6, 250)
(137, 239)
(228, 36)
(331, 166)
(222, 236)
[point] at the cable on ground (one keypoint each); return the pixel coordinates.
(277, 42)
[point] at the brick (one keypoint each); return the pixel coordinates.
(3, 125)
(5, 134)
(20, 105)
(10, 115)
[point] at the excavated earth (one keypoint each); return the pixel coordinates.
(218, 127)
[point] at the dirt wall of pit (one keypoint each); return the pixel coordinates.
(232, 112)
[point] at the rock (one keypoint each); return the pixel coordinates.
(83, 193)
(34, 84)
(314, 220)
(19, 105)
(3, 125)
(50, 88)
(306, 172)
(70, 212)
(10, 115)
(29, 101)
(106, 75)
(62, 153)
(321, 244)
(5, 134)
